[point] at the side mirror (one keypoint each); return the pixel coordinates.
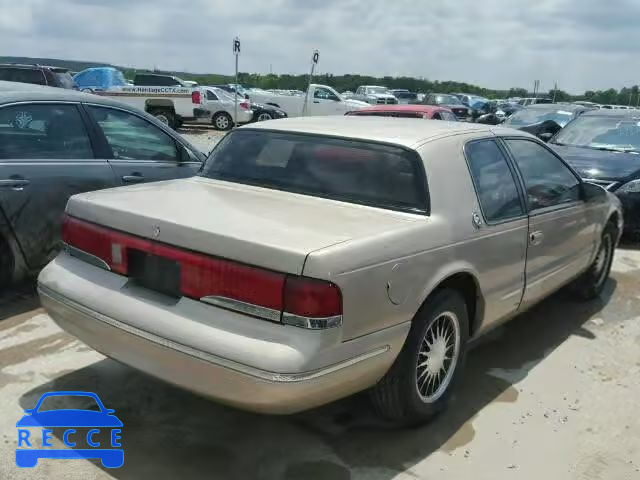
(592, 192)
(546, 136)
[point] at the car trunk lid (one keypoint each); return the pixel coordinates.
(268, 228)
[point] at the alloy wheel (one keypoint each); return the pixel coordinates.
(438, 357)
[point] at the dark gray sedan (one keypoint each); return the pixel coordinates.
(55, 143)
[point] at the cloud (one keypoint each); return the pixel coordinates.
(493, 43)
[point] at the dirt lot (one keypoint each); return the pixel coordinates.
(552, 395)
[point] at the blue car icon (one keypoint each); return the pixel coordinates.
(69, 418)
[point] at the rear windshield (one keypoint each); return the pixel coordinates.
(22, 75)
(350, 171)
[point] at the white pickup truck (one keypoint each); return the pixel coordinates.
(322, 100)
(172, 105)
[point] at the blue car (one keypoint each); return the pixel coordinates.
(99, 78)
(69, 418)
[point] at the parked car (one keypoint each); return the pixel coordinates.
(506, 109)
(221, 107)
(55, 143)
(323, 256)
(448, 101)
(403, 95)
(603, 146)
(374, 95)
(544, 120)
(37, 74)
(470, 100)
(260, 112)
(99, 78)
(525, 102)
(431, 112)
(322, 100)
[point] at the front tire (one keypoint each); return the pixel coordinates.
(222, 121)
(264, 116)
(591, 283)
(421, 380)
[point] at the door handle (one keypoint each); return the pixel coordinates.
(15, 183)
(316, 101)
(133, 178)
(536, 238)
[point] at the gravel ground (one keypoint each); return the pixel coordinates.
(552, 395)
(203, 137)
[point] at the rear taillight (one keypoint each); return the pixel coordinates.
(311, 303)
(195, 97)
(300, 301)
(245, 105)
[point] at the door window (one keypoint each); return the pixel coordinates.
(324, 94)
(133, 138)
(23, 75)
(43, 131)
(211, 95)
(493, 181)
(549, 182)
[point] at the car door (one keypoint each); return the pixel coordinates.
(500, 245)
(137, 150)
(325, 102)
(561, 235)
(46, 156)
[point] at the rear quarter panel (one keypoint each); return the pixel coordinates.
(385, 278)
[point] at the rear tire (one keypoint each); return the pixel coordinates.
(590, 284)
(165, 116)
(420, 382)
(222, 121)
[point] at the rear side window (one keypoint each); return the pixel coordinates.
(63, 78)
(211, 95)
(493, 181)
(448, 116)
(39, 131)
(22, 75)
(346, 170)
(549, 182)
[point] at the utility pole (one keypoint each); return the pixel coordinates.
(555, 90)
(236, 52)
(314, 62)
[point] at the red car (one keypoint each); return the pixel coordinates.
(432, 112)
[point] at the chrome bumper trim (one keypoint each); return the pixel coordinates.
(242, 307)
(219, 361)
(311, 323)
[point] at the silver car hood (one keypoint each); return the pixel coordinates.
(257, 226)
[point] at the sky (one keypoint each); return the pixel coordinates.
(581, 44)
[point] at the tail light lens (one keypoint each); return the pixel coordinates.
(311, 303)
(245, 105)
(195, 97)
(300, 301)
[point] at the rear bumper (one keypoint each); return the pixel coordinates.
(282, 372)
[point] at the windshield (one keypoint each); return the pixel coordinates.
(446, 100)
(346, 170)
(608, 133)
(530, 116)
(377, 90)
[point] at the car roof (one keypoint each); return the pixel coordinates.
(400, 131)
(414, 107)
(11, 92)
